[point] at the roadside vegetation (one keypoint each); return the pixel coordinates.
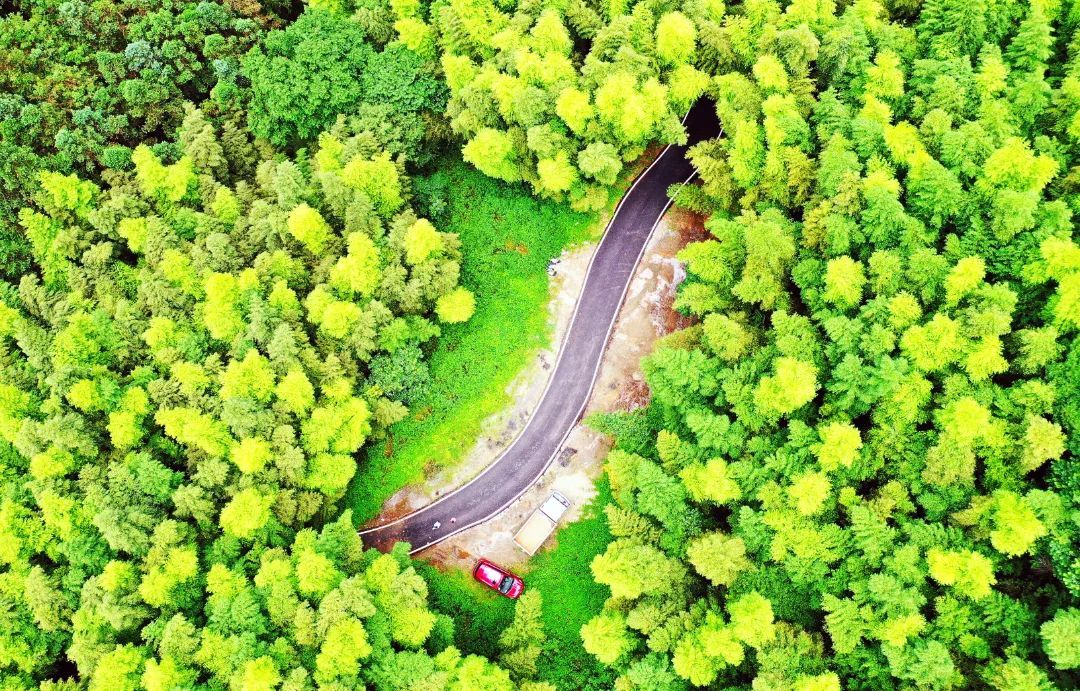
(568, 602)
(508, 239)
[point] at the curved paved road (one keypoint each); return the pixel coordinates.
(564, 400)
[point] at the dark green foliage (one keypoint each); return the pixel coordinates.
(304, 76)
(325, 65)
(402, 375)
(80, 79)
(477, 612)
(633, 431)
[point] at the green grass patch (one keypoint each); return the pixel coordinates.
(479, 613)
(571, 598)
(508, 238)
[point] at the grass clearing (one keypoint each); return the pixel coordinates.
(479, 613)
(571, 598)
(508, 239)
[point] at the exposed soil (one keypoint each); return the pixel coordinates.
(645, 316)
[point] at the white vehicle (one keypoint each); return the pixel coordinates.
(541, 523)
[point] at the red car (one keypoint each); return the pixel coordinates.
(498, 578)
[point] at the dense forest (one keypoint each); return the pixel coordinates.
(226, 276)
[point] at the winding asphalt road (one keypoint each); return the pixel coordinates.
(568, 390)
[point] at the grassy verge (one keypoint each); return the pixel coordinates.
(571, 598)
(508, 238)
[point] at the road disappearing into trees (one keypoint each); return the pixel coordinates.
(571, 383)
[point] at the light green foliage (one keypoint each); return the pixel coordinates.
(885, 79)
(260, 673)
(66, 192)
(521, 642)
(1062, 264)
(295, 391)
(575, 109)
(358, 272)
(710, 481)
(752, 619)
(821, 682)
(1015, 524)
(118, 669)
(601, 88)
(808, 492)
(250, 455)
(216, 355)
(718, 557)
(378, 178)
(549, 34)
(599, 161)
(1043, 441)
(873, 420)
(706, 650)
(245, 513)
(606, 637)
(844, 281)
(793, 385)
(308, 227)
(220, 312)
(248, 378)
(180, 566)
(492, 152)
(970, 572)
(840, 444)
(133, 230)
(456, 306)
(675, 38)
(726, 337)
(967, 275)
(1061, 638)
(339, 655)
(632, 569)
(195, 429)
(169, 183)
(421, 241)
(556, 175)
(339, 426)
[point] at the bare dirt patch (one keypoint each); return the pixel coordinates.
(645, 316)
